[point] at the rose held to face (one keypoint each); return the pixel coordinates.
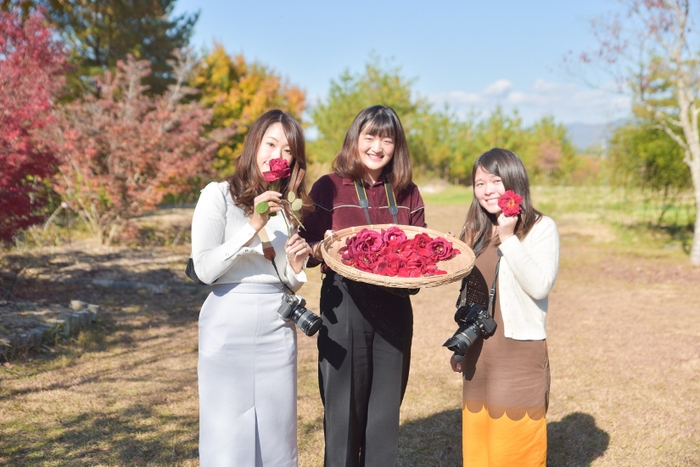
(279, 168)
(510, 203)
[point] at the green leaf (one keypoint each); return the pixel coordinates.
(291, 196)
(262, 208)
(297, 204)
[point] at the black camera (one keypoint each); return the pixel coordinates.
(292, 308)
(474, 321)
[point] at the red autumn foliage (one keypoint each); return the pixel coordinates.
(392, 253)
(31, 74)
(122, 152)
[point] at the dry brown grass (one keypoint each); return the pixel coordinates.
(624, 333)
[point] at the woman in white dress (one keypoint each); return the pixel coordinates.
(247, 352)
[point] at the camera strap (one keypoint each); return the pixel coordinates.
(364, 202)
(269, 253)
(492, 292)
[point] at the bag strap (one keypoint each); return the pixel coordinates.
(364, 202)
(492, 292)
(269, 253)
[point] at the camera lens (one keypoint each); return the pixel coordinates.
(307, 321)
(462, 340)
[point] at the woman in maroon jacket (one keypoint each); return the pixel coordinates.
(365, 342)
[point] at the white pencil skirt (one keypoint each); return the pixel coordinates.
(247, 379)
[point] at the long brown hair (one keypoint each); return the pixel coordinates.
(477, 229)
(247, 182)
(380, 121)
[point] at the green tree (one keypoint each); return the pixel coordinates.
(654, 52)
(547, 152)
(644, 156)
(238, 92)
(99, 33)
(443, 144)
(500, 130)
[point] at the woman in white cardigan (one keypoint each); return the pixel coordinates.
(506, 375)
(247, 352)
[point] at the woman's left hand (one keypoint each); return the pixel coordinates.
(506, 227)
(297, 251)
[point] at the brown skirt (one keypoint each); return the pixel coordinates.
(505, 393)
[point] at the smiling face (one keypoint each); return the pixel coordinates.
(375, 153)
(274, 145)
(487, 189)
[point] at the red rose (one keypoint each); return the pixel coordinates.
(388, 265)
(391, 253)
(420, 244)
(345, 256)
(409, 272)
(279, 168)
(440, 249)
(365, 241)
(393, 234)
(432, 270)
(366, 261)
(510, 202)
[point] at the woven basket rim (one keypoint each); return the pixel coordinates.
(457, 267)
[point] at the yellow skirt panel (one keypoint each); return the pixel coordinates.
(496, 442)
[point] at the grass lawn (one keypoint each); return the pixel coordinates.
(623, 333)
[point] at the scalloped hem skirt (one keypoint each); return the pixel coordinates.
(505, 399)
(247, 379)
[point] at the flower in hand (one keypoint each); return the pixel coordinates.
(279, 169)
(510, 203)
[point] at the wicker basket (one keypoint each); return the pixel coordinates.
(457, 267)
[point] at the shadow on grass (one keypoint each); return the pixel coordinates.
(434, 441)
(139, 434)
(575, 441)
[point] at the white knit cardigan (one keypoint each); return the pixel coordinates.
(227, 249)
(527, 273)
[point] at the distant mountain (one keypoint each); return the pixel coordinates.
(587, 135)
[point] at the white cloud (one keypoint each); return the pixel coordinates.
(498, 88)
(567, 102)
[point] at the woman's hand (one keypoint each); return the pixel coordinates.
(456, 366)
(506, 226)
(297, 251)
(316, 247)
(258, 221)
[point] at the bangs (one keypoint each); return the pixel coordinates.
(382, 126)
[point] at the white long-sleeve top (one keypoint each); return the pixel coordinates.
(526, 276)
(227, 249)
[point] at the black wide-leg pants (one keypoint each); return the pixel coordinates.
(364, 357)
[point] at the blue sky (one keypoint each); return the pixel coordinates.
(473, 55)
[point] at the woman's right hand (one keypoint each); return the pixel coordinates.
(257, 220)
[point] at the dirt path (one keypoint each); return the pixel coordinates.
(624, 345)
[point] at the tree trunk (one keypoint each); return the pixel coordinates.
(695, 248)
